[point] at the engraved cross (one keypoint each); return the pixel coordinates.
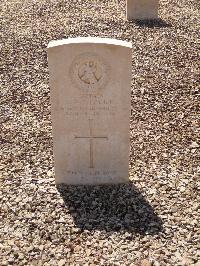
(91, 137)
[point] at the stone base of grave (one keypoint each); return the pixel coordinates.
(142, 9)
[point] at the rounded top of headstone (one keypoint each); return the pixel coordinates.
(89, 40)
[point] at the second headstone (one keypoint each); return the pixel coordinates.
(142, 9)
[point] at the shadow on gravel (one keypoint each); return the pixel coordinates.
(110, 208)
(152, 23)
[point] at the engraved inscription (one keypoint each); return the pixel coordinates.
(95, 173)
(90, 106)
(91, 137)
(89, 73)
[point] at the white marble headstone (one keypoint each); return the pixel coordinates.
(90, 80)
(142, 9)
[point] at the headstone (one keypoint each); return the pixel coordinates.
(90, 80)
(142, 9)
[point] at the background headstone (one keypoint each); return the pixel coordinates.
(142, 9)
(90, 81)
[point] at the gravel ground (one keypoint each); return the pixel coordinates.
(154, 219)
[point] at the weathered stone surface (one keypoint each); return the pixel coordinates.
(142, 9)
(90, 95)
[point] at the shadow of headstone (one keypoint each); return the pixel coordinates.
(110, 208)
(152, 23)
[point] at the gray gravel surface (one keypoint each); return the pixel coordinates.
(154, 220)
